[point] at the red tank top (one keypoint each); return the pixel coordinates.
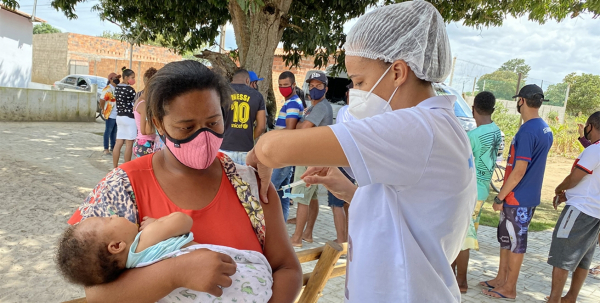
(222, 222)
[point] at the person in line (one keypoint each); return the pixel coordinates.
(254, 79)
(594, 272)
(577, 230)
(340, 216)
(245, 118)
(289, 115)
(126, 128)
(100, 249)
(521, 191)
(319, 113)
(485, 142)
(411, 158)
(189, 175)
(146, 135)
(109, 112)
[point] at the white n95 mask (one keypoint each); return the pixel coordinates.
(367, 104)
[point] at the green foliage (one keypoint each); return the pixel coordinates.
(553, 116)
(502, 83)
(509, 124)
(584, 94)
(516, 66)
(45, 28)
(556, 93)
(111, 35)
(310, 26)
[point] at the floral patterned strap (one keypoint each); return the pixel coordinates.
(249, 201)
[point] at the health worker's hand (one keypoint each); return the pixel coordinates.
(264, 174)
(205, 270)
(333, 179)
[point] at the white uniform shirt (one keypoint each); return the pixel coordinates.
(585, 196)
(409, 216)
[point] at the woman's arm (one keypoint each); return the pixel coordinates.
(287, 273)
(317, 146)
(146, 128)
(151, 283)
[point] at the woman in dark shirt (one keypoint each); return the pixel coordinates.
(126, 127)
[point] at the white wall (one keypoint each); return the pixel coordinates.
(22, 104)
(16, 35)
(511, 107)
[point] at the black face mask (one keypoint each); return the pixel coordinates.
(519, 106)
(116, 81)
(586, 133)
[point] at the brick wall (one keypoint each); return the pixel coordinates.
(55, 52)
(306, 64)
(50, 62)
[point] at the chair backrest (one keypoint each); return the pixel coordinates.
(314, 281)
(324, 270)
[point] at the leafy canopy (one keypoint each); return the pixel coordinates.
(503, 82)
(312, 27)
(584, 94)
(45, 28)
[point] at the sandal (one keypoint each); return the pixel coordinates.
(485, 285)
(502, 297)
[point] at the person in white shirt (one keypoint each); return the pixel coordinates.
(410, 156)
(576, 233)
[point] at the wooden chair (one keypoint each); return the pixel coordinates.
(312, 282)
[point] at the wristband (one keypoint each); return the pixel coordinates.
(498, 201)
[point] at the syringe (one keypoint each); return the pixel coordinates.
(297, 183)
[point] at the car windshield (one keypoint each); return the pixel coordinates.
(100, 81)
(461, 108)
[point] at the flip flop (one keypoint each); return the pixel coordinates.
(502, 297)
(487, 285)
(308, 241)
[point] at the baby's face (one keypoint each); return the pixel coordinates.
(113, 228)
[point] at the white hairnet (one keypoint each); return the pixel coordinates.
(412, 31)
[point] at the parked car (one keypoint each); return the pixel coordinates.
(336, 94)
(83, 83)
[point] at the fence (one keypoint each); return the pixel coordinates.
(470, 78)
(25, 104)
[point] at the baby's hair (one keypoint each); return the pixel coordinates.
(83, 259)
(150, 72)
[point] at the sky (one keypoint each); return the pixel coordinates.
(553, 50)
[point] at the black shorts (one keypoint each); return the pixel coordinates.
(574, 240)
(514, 227)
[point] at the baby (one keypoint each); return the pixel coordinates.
(99, 249)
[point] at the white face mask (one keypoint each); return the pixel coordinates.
(367, 104)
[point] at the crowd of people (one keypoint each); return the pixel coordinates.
(405, 182)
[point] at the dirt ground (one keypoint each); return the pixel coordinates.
(557, 168)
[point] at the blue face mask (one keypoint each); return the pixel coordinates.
(317, 94)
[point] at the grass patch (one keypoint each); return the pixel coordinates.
(545, 216)
(99, 134)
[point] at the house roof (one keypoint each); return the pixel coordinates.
(20, 13)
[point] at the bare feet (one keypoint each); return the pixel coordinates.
(564, 299)
(463, 286)
(296, 242)
(500, 292)
(291, 221)
(595, 272)
(307, 238)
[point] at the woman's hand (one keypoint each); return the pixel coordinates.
(264, 174)
(580, 130)
(333, 179)
(205, 270)
(145, 222)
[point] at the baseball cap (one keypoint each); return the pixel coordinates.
(531, 91)
(113, 75)
(254, 77)
(317, 75)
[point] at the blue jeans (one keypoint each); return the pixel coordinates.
(110, 132)
(281, 177)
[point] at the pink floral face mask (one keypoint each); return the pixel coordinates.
(197, 151)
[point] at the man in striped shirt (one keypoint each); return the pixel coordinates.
(289, 115)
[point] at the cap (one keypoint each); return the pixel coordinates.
(530, 91)
(317, 75)
(113, 75)
(254, 77)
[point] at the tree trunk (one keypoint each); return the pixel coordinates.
(257, 35)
